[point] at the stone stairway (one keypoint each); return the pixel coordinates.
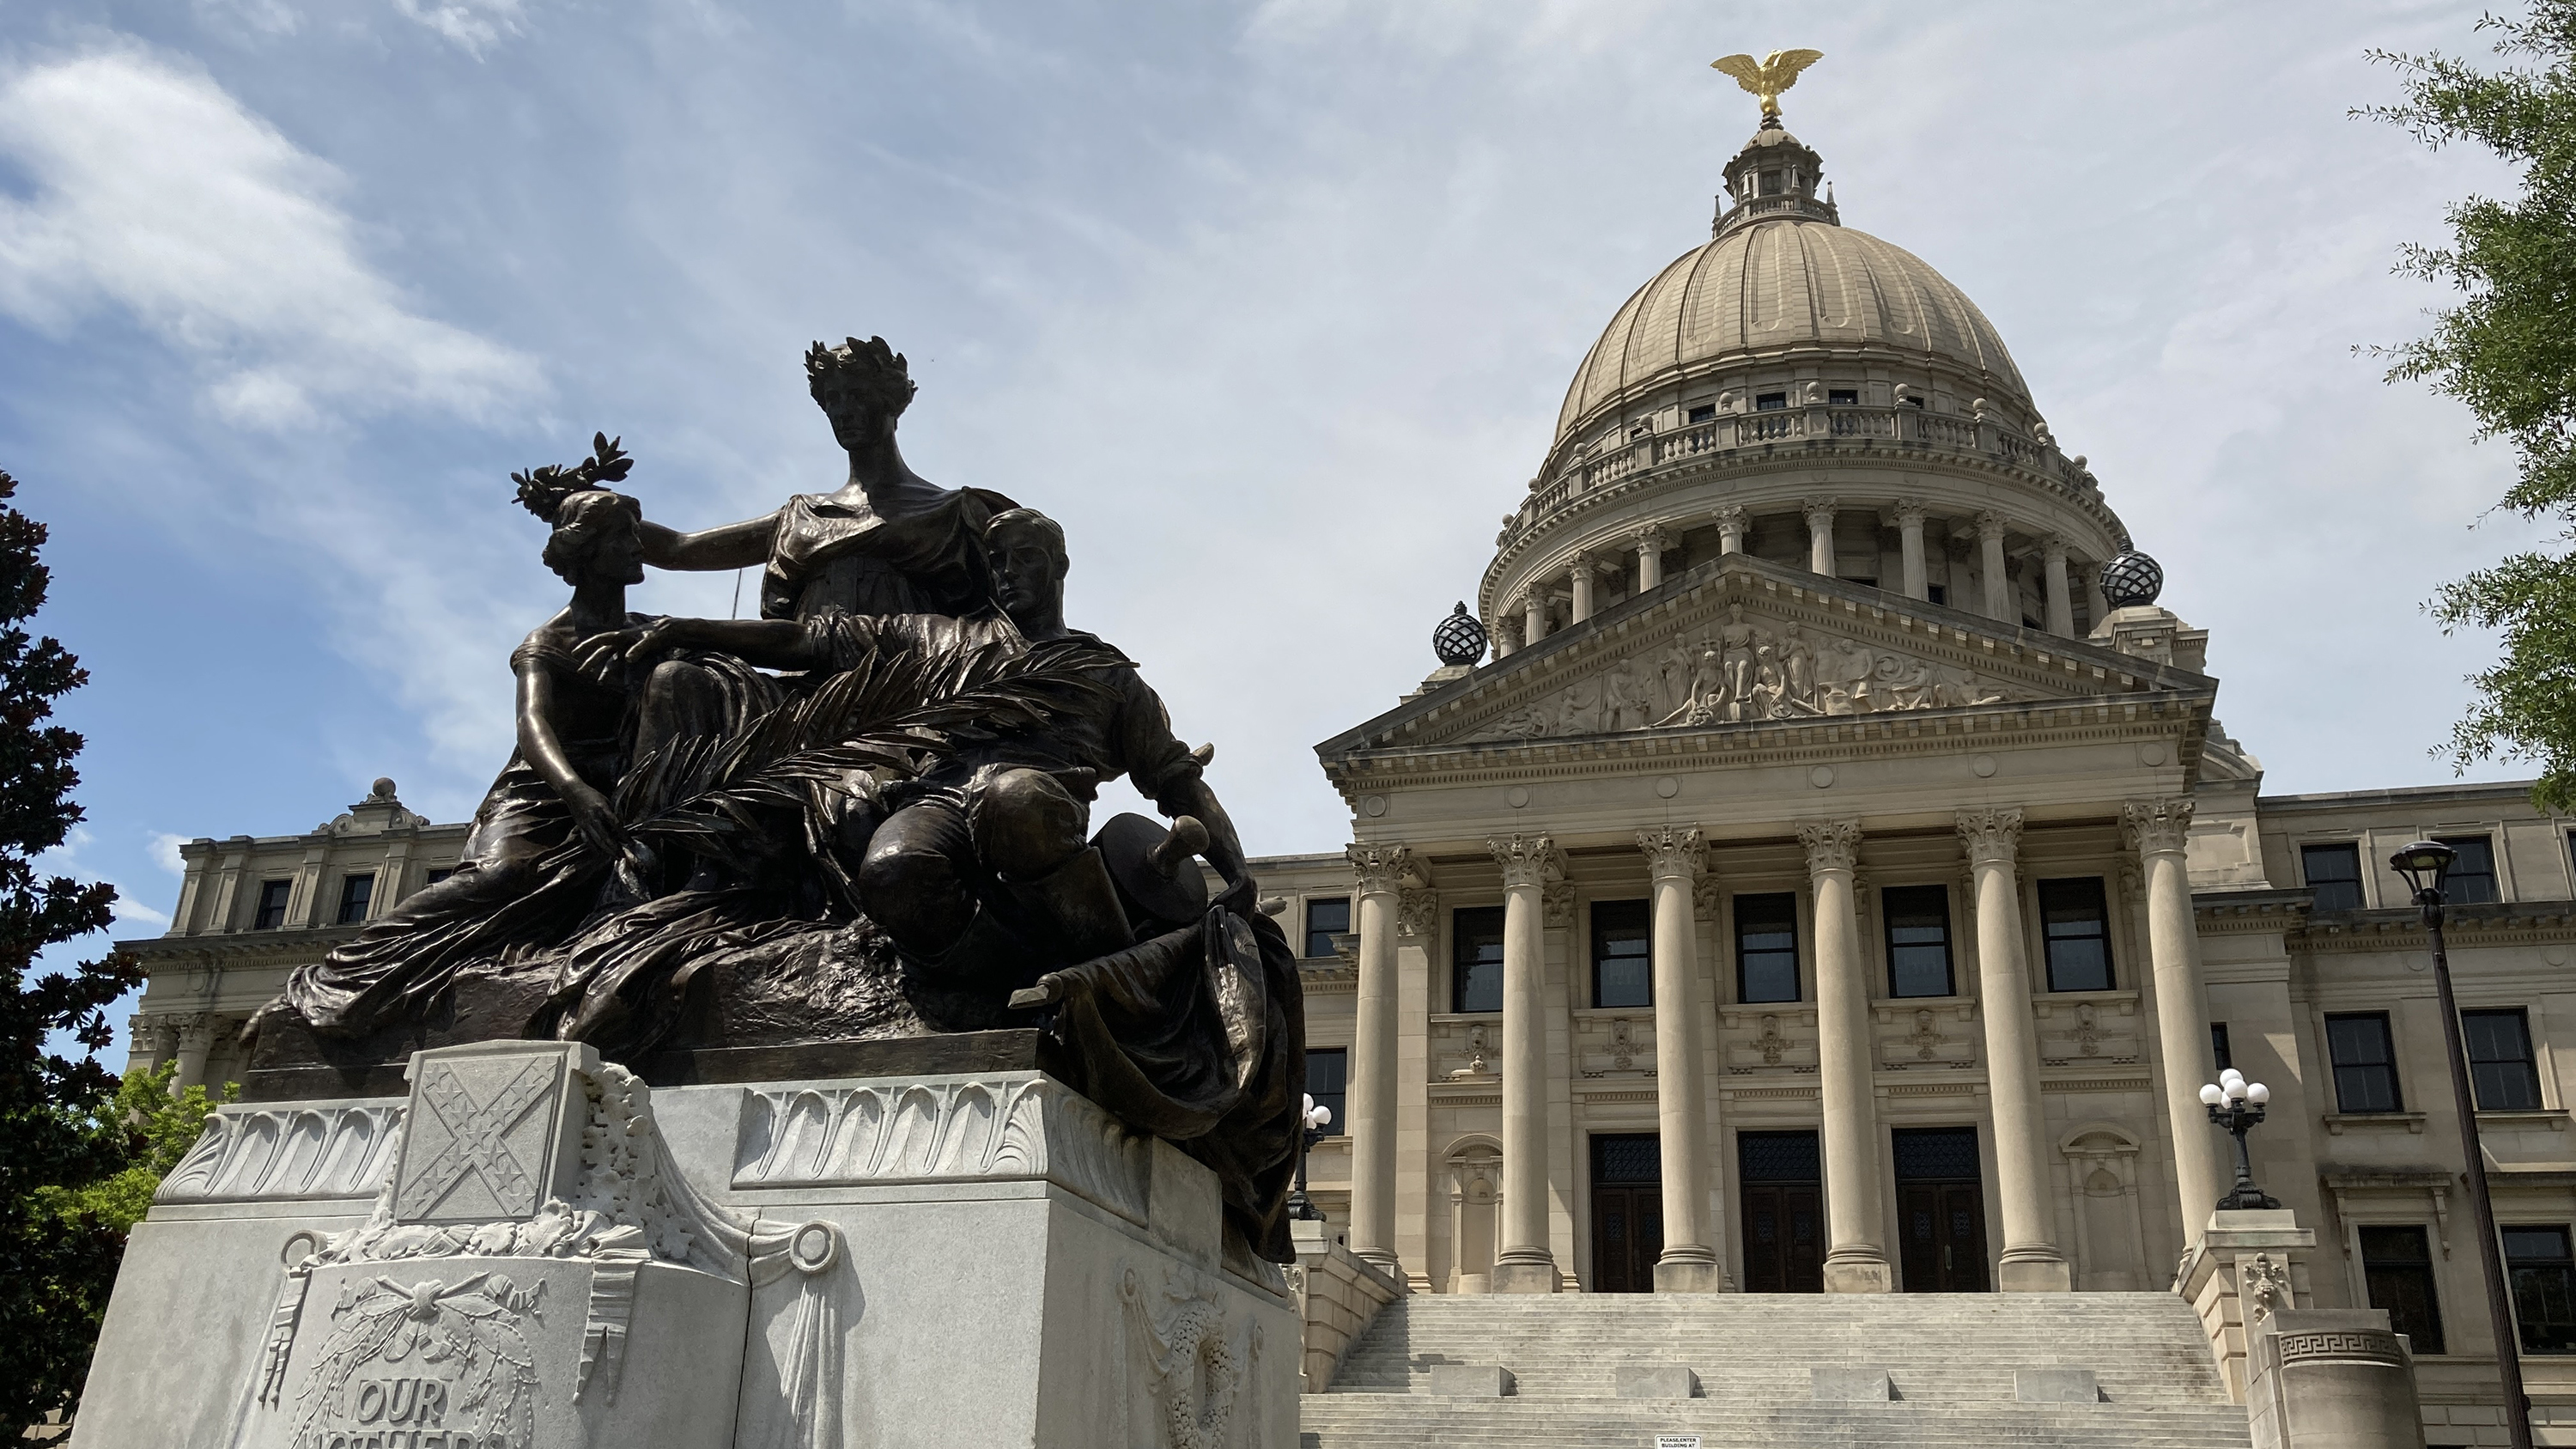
(1790, 1370)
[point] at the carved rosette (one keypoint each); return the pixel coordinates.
(1991, 836)
(1527, 860)
(1673, 853)
(1380, 869)
(1831, 845)
(1417, 912)
(2157, 827)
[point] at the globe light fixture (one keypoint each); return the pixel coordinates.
(2237, 1104)
(1312, 1119)
(2426, 865)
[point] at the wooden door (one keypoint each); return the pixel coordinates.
(1627, 1237)
(1944, 1236)
(1784, 1249)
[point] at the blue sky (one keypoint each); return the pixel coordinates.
(1271, 304)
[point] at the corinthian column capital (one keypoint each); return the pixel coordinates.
(1831, 845)
(2155, 827)
(1820, 512)
(1990, 525)
(1527, 860)
(1909, 513)
(1673, 853)
(1381, 869)
(1991, 836)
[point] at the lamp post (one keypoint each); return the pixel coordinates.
(2424, 864)
(2237, 1104)
(1310, 1129)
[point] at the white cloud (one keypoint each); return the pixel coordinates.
(165, 852)
(474, 25)
(156, 193)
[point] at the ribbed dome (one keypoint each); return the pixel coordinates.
(1785, 282)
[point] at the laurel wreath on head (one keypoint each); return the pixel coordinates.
(542, 490)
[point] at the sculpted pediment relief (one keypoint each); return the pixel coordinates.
(1743, 669)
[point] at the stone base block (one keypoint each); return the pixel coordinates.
(2034, 1275)
(2056, 1386)
(1669, 1382)
(1690, 1275)
(1525, 1277)
(1471, 1380)
(978, 1258)
(1859, 1275)
(1849, 1385)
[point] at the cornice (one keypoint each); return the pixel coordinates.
(311, 941)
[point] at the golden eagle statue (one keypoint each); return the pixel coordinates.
(1769, 76)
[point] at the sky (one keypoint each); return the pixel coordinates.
(1271, 304)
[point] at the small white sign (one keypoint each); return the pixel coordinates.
(1676, 1441)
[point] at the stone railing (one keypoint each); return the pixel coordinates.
(1339, 1294)
(1901, 425)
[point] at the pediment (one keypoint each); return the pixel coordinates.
(1741, 643)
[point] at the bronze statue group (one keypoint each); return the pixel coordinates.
(864, 814)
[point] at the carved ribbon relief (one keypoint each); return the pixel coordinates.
(1746, 672)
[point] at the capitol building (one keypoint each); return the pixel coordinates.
(1828, 873)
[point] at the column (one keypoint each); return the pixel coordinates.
(1909, 527)
(151, 1039)
(1690, 1264)
(1530, 864)
(2096, 607)
(1990, 534)
(2157, 828)
(1730, 529)
(1579, 581)
(1650, 559)
(1380, 872)
(196, 1042)
(1507, 636)
(2031, 1261)
(1820, 534)
(1855, 1186)
(2061, 602)
(1533, 617)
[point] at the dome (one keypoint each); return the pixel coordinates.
(1783, 282)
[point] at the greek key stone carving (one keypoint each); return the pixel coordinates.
(287, 1154)
(942, 1130)
(2369, 1346)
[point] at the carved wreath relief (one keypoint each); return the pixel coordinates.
(424, 1365)
(1746, 672)
(1193, 1369)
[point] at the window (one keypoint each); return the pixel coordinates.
(1328, 1079)
(2398, 1270)
(2218, 1051)
(2472, 881)
(1774, 182)
(1704, 413)
(1766, 948)
(355, 892)
(439, 874)
(1476, 980)
(2500, 1060)
(1623, 972)
(1843, 397)
(1770, 402)
(272, 905)
(1912, 402)
(1326, 919)
(2543, 1279)
(1940, 595)
(2365, 1066)
(2075, 927)
(1918, 940)
(2334, 873)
